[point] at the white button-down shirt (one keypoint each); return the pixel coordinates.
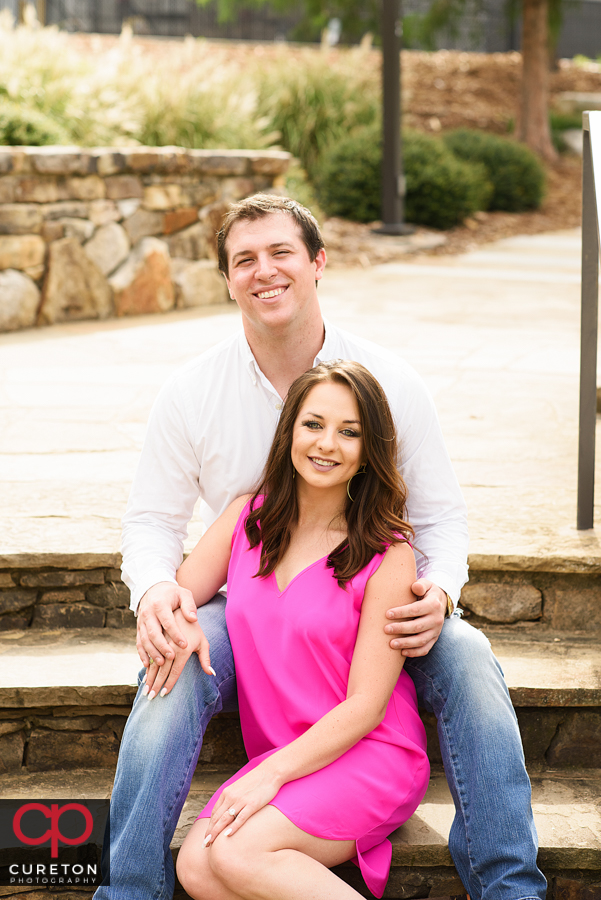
(209, 433)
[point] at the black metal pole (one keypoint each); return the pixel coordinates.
(588, 337)
(393, 179)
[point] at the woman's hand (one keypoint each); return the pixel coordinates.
(240, 800)
(161, 679)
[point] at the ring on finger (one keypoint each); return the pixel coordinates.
(232, 812)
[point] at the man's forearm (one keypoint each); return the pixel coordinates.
(151, 554)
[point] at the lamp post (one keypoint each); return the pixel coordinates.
(393, 179)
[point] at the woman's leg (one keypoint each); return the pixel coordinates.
(268, 859)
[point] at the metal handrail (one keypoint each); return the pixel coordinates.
(589, 315)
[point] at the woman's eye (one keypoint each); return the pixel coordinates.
(348, 432)
(312, 425)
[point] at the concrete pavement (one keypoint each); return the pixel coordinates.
(495, 334)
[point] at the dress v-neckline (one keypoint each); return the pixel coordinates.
(297, 576)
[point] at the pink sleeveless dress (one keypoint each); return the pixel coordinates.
(292, 651)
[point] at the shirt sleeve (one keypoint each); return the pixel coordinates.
(162, 498)
(435, 505)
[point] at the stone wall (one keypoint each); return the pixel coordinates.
(64, 590)
(90, 234)
(45, 597)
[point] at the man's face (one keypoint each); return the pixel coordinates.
(270, 274)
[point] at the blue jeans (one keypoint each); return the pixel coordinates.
(493, 840)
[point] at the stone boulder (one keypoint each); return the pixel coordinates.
(198, 283)
(21, 251)
(190, 243)
(74, 288)
(108, 248)
(143, 283)
(19, 300)
(503, 602)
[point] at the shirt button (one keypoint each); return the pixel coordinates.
(278, 405)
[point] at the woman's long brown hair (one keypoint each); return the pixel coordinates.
(374, 518)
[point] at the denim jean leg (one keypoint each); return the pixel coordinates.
(159, 752)
(493, 839)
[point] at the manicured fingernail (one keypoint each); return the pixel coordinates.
(144, 690)
(163, 692)
(144, 679)
(151, 695)
(227, 832)
(207, 839)
(182, 643)
(212, 671)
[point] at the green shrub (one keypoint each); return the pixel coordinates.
(21, 126)
(515, 172)
(348, 180)
(441, 190)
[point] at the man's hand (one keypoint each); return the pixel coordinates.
(418, 624)
(161, 679)
(155, 620)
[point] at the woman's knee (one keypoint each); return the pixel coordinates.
(230, 864)
(194, 871)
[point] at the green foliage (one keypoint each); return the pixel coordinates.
(357, 17)
(563, 121)
(28, 127)
(312, 104)
(560, 122)
(348, 180)
(441, 190)
(516, 173)
(422, 30)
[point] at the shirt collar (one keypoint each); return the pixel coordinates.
(329, 349)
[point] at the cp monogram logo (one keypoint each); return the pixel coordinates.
(53, 812)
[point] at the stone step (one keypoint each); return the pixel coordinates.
(65, 697)
(567, 811)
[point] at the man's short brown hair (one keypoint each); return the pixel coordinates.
(260, 205)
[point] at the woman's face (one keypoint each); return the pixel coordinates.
(327, 443)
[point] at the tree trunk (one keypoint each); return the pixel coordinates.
(534, 114)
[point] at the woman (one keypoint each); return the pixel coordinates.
(313, 560)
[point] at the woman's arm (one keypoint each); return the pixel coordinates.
(375, 670)
(205, 569)
(202, 573)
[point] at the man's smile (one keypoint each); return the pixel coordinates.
(268, 295)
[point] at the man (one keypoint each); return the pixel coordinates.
(208, 434)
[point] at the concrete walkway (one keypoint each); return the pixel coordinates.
(495, 334)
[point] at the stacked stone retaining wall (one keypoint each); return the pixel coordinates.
(57, 590)
(94, 233)
(49, 598)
